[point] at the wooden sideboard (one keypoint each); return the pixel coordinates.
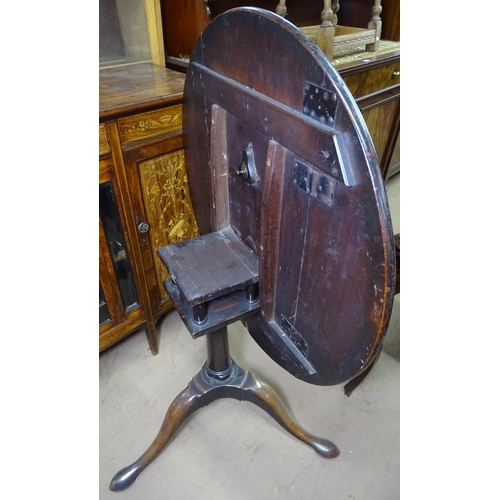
(144, 201)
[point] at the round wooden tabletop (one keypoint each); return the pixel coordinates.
(277, 150)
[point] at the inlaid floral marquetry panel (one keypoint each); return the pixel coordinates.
(168, 205)
(150, 124)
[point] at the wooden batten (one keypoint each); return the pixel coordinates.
(219, 166)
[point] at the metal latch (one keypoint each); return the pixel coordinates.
(247, 170)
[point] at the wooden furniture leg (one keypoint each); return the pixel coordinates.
(376, 24)
(265, 397)
(281, 8)
(186, 403)
(326, 31)
(220, 377)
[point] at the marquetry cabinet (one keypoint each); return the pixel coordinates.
(144, 199)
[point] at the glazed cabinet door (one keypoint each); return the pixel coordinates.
(162, 208)
(119, 307)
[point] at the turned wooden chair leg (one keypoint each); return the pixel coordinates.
(376, 24)
(326, 31)
(281, 8)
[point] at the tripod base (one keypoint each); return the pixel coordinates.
(208, 386)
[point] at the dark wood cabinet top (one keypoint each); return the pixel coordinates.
(137, 88)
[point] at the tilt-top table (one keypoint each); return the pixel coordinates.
(296, 238)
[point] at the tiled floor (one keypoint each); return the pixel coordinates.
(234, 450)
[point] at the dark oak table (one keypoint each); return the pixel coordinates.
(296, 237)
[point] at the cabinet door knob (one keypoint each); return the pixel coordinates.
(143, 227)
(396, 73)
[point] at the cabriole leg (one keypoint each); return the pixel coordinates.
(265, 397)
(185, 404)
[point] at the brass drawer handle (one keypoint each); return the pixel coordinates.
(396, 73)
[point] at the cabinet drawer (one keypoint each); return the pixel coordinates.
(151, 124)
(373, 80)
(103, 140)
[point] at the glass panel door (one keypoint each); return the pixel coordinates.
(111, 223)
